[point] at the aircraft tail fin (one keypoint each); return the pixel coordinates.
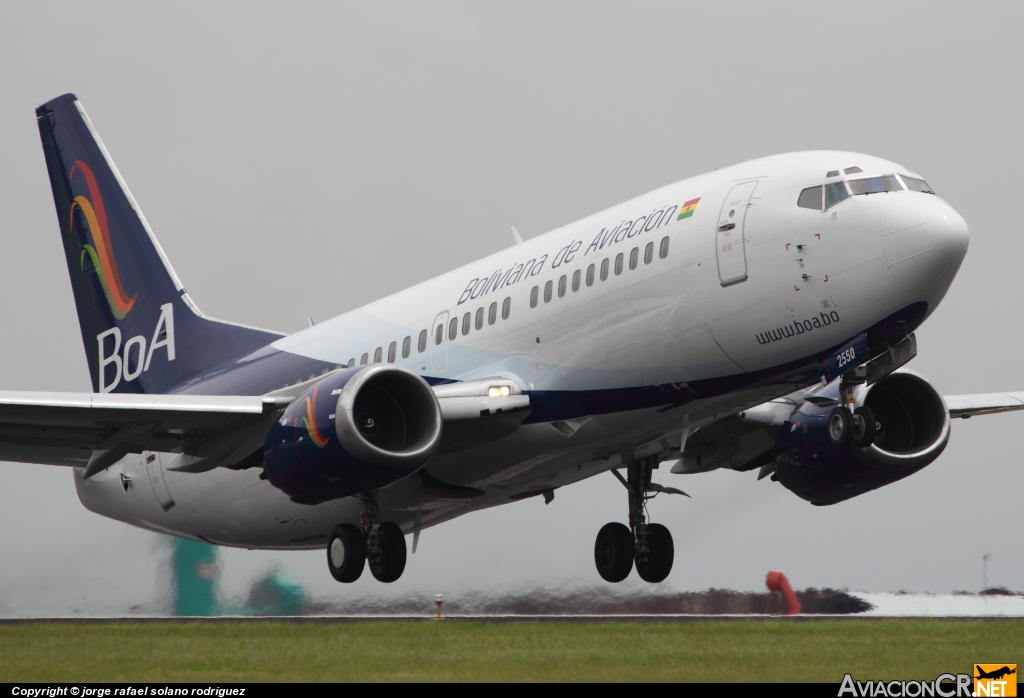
(142, 332)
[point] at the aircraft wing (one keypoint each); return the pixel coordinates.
(479, 412)
(744, 441)
(966, 406)
(95, 430)
(98, 429)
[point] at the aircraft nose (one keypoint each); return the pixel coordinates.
(925, 240)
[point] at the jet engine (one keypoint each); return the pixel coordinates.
(913, 426)
(355, 430)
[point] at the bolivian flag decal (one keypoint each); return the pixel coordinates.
(688, 208)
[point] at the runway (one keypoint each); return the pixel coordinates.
(498, 619)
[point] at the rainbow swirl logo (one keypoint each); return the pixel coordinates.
(309, 421)
(100, 252)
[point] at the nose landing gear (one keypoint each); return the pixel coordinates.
(382, 544)
(649, 545)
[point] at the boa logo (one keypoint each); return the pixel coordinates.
(96, 246)
(135, 358)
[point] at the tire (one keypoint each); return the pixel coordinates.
(613, 552)
(346, 553)
(392, 560)
(866, 427)
(840, 426)
(659, 562)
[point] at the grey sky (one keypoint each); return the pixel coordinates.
(304, 159)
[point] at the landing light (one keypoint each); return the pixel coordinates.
(498, 391)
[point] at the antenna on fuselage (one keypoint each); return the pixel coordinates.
(516, 237)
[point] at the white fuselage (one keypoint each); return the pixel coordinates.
(782, 284)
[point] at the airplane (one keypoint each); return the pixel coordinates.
(994, 674)
(758, 317)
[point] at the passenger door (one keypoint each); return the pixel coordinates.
(439, 342)
(729, 237)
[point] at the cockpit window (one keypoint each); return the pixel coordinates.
(914, 184)
(834, 193)
(852, 170)
(875, 185)
(810, 198)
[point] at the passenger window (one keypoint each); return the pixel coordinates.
(492, 314)
(561, 286)
(649, 253)
(834, 193)
(618, 263)
(377, 355)
(422, 344)
(533, 297)
(664, 248)
(810, 198)
(480, 318)
(604, 269)
(453, 329)
(439, 334)
(406, 347)
(634, 255)
(506, 307)
(547, 292)
(392, 352)
(466, 320)
(590, 275)
(364, 359)
(576, 280)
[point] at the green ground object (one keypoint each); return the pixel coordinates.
(194, 573)
(274, 594)
(735, 650)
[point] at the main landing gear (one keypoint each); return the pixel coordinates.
(860, 427)
(379, 543)
(648, 545)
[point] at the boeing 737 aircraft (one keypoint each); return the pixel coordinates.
(757, 317)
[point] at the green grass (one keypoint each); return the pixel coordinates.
(741, 650)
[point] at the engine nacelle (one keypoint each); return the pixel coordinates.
(915, 430)
(356, 430)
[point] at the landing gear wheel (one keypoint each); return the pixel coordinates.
(613, 552)
(661, 553)
(840, 426)
(346, 553)
(390, 564)
(866, 427)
